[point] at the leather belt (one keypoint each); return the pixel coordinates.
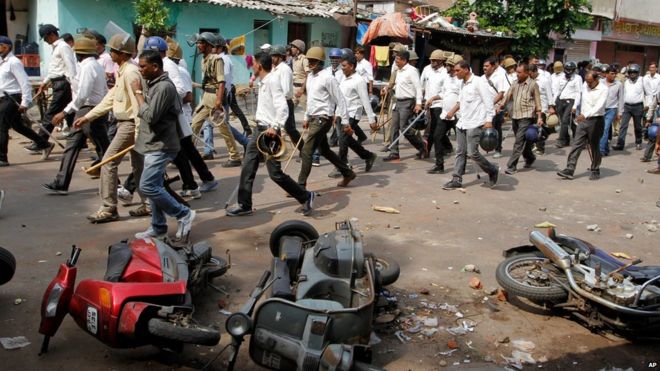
(59, 78)
(210, 90)
(297, 84)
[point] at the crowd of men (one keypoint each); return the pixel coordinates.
(140, 103)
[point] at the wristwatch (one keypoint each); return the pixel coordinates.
(138, 92)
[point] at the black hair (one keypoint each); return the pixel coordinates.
(359, 49)
(612, 68)
(67, 37)
(533, 68)
(152, 56)
(463, 65)
(525, 66)
(653, 64)
(492, 61)
(351, 59)
(265, 61)
(405, 55)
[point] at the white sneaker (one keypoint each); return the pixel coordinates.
(191, 193)
(124, 195)
(150, 233)
(497, 155)
(185, 224)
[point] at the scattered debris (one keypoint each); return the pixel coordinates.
(385, 318)
(469, 344)
(524, 345)
(651, 227)
(618, 191)
(446, 353)
(431, 322)
(501, 295)
(424, 291)
(593, 228)
(402, 337)
(14, 343)
(396, 227)
(545, 224)
(415, 329)
(452, 344)
(59, 253)
(543, 208)
(461, 330)
(475, 283)
(42, 261)
(385, 209)
(621, 255)
(504, 340)
(492, 290)
(18, 301)
(456, 202)
(222, 304)
(470, 268)
(442, 363)
(429, 331)
(225, 312)
(629, 236)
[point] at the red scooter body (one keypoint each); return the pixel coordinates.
(144, 277)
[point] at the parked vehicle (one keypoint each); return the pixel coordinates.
(7, 266)
(323, 294)
(144, 298)
(571, 274)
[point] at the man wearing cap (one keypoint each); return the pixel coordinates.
(300, 68)
(281, 72)
(433, 79)
(634, 95)
(566, 98)
(89, 89)
(557, 70)
(123, 104)
(61, 71)
(213, 99)
(16, 88)
(104, 57)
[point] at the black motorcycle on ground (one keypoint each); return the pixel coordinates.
(7, 266)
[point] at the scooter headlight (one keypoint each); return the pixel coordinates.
(53, 300)
(238, 324)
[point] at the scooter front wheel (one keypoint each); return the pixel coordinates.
(191, 334)
(7, 266)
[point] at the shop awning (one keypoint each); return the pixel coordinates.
(390, 25)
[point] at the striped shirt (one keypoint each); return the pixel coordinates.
(526, 98)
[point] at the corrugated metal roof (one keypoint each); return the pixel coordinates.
(284, 7)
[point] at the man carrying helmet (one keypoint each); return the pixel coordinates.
(324, 100)
(567, 92)
(123, 104)
(213, 98)
(545, 88)
(477, 110)
(89, 89)
(281, 72)
(300, 68)
(634, 94)
(271, 116)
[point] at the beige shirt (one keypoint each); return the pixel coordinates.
(526, 98)
(213, 67)
(300, 69)
(120, 99)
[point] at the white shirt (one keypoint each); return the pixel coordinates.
(554, 81)
(568, 89)
(106, 61)
(593, 100)
(354, 89)
(543, 81)
(323, 95)
(651, 85)
(186, 79)
(14, 79)
(88, 87)
(338, 73)
(283, 73)
(229, 66)
(271, 104)
(476, 103)
(173, 73)
(450, 91)
(633, 92)
(511, 78)
(408, 84)
(366, 70)
(497, 84)
(62, 62)
(435, 79)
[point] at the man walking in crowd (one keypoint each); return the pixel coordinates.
(477, 110)
(590, 127)
(613, 108)
(408, 93)
(634, 94)
(61, 71)
(282, 73)
(300, 68)
(324, 100)
(545, 89)
(89, 89)
(435, 76)
(525, 111)
(566, 99)
(15, 102)
(498, 82)
(652, 85)
(364, 68)
(271, 116)
(121, 100)
(159, 107)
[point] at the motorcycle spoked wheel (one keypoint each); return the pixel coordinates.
(518, 275)
(7, 266)
(190, 334)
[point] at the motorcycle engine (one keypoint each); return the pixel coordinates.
(621, 292)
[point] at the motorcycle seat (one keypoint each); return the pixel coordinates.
(320, 304)
(119, 255)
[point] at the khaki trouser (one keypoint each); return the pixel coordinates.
(124, 138)
(387, 128)
(302, 101)
(202, 113)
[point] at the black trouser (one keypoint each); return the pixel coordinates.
(187, 156)
(540, 145)
(565, 114)
(233, 104)
(636, 112)
(290, 125)
(588, 135)
(441, 140)
(400, 116)
(347, 141)
(317, 137)
(61, 97)
(249, 171)
(11, 118)
(498, 120)
(96, 131)
(522, 146)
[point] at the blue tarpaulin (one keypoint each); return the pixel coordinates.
(361, 30)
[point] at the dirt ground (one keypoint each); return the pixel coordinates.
(434, 236)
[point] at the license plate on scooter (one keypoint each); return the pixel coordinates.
(92, 320)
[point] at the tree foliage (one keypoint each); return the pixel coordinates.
(531, 21)
(152, 15)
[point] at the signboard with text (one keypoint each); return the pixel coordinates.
(632, 32)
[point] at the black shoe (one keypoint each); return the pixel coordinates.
(560, 145)
(528, 164)
(423, 152)
(385, 149)
(436, 170)
(238, 211)
(566, 174)
(492, 178)
(45, 152)
(334, 174)
(452, 184)
(207, 156)
(617, 148)
(595, 175)
(232, 163)
(644, 159)
(54, 189)
(510, 171)
(33, 148)
(4, 163)
(370, 162)
(347, 179)
(638, 147)
(308, 206)
(391, 157)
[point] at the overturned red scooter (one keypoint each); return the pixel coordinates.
(144, 298)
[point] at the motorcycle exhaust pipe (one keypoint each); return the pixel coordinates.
(550, 249)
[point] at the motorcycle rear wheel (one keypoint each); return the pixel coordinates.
(508, 275)
(190, 335)
(7, 266)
